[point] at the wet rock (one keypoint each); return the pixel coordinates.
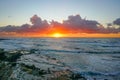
(53, 58)
(33, 51)
(2, 54)
(5, 71)
(28, 66)
(76, 76)
(33, 70)
(13, 57)
(8, 56)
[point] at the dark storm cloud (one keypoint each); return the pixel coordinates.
(74, 24)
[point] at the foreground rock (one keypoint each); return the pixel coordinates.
(27, 65)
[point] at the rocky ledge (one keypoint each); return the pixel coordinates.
(28, 65)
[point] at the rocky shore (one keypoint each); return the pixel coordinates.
(28, 65)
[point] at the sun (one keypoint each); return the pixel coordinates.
(57, 35)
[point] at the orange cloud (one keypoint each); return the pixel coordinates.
(74, 26)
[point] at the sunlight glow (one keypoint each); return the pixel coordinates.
(57, 35)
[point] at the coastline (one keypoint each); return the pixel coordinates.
(18, 65)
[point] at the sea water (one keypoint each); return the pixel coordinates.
(94, 58)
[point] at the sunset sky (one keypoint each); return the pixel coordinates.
(66, 18)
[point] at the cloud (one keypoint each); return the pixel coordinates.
(77, 24)
(8, 28)
(35, 20)
(57, 27)
(117, 22)
(38, 24)
(74, 24)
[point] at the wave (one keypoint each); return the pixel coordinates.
(99, 73)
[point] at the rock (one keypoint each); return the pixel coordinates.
(77, 76)
(33, 67)
(2, 54)
(13, 57)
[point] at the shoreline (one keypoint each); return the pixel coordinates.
(16, 67)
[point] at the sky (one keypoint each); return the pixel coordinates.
(19, 12)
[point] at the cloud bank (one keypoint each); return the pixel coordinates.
(74, 24)
(117, 22)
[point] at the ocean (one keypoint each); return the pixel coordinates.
(97, 58)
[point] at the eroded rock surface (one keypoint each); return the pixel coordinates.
(27, 65)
